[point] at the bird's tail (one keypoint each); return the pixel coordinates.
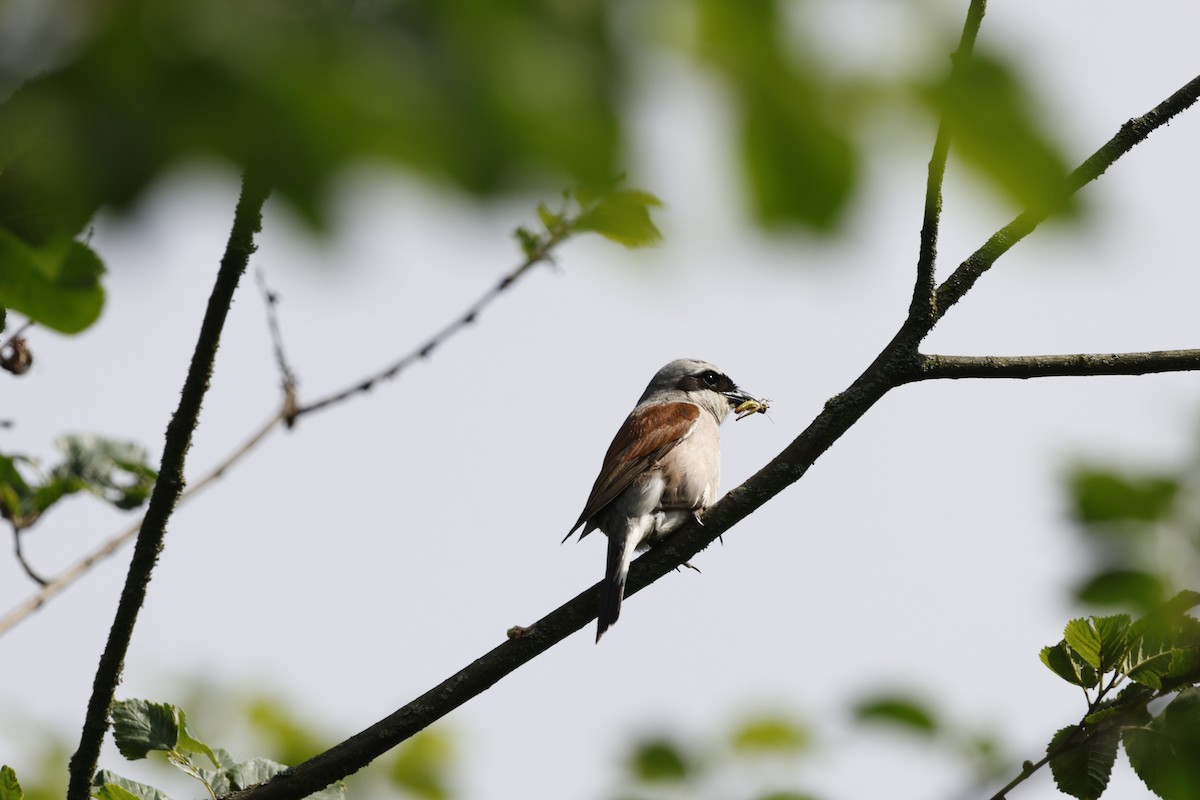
(621, 548)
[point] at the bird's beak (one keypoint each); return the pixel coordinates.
(737, 397)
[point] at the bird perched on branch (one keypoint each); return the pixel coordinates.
(662, 468)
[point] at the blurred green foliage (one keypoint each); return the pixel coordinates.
(758, 758)
(103, 96)
(266, 725)
(995, 128)
(1141, 530)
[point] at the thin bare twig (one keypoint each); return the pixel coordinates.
(540, 251)
(271, 301)
(20, 554)
(287, 377)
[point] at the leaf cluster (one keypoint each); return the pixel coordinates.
(115, 471)
(621, 215)
(141, 727)
(1154, 656)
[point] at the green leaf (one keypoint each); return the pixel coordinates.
(1084, 640)
(1149, 659)
(256, 770)
(190, 744)
(900, 710)
(56, 285)
(549, 219)
(1099, 641)
(1113, 631)
(622, 216)
(994, 128)
(1165, 644)
(119, 788)
(1068, 665)
(140, 726)
(114, 470)
(770, 735)
(1083, 766)
(1124, 588)
(422, 766)
(1164, 752)
(16, 495)
(10, 787)
(1102, 496)
(111, 791)
(659, 761)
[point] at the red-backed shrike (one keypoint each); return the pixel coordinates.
(661, 470)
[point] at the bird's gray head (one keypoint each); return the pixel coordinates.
(695, 381)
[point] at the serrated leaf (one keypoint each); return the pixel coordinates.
(140, 726)
(56, 285)
(1113, 631)
(108, 468)
(141, 791)
(111, 791)
(659, 761)
(770, 735)
(190, 744)
(1084, 761)
(900, 710)
(1084, 639)
(1163, 753)
(10, 787)
(622, 216)
(256, 770)
(1164, 644)
(1068, 665)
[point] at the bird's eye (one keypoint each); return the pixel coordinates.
(709, 378)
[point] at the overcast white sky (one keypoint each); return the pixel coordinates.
(357, 561)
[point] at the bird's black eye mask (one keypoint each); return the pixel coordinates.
(708, 379)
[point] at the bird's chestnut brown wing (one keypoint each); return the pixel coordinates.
(646, 436)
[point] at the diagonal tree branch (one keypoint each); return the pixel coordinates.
(1080, 364)
(167, 488)
(898, 363)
